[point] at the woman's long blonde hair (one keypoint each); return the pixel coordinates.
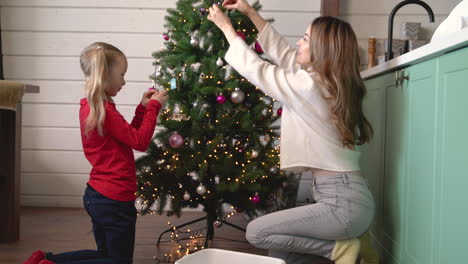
(96, 60)
(335, 58)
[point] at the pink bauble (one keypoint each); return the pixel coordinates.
(166, 37)
(176, 140)
(241, 34)
(258, 48)
(221, 99)
(279, 111)
(151, 88)
(255, 199)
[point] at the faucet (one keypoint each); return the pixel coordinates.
(389, 54)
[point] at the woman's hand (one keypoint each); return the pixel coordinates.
(147, 96)
(240, 5)
(222, 22)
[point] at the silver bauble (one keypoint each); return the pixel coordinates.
(194, 175)
(193, 41)
(273, 170)
(219, 62)
(237, 96)
(201, 190)
(158, 74)
(216, 179)
(186, 196)
(217, 223)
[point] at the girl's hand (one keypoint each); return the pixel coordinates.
(160, 96)
(240, 5)
(222, 22)
(147, 96)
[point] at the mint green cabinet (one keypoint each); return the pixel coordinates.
(415, 161)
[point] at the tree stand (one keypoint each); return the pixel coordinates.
(210, 219)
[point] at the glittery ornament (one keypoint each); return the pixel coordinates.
(258, 48)
(219, 62)
(201, 190)
(217, 223)
(237, 96)
(176, 140)
(221, 99)
(254, 154)
(279, 111)
(186, 196)
(241, 34)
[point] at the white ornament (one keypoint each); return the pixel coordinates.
(254, 154)
(193, 41)
(237, 96)
(216, 179)
(219, 62)
(194, 175)
(196, 66)
(186, 196)
(201, 190)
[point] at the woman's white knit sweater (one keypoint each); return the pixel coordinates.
(309, 138)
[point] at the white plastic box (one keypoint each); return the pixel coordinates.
(220, 256)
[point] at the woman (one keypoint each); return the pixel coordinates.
(321, 90)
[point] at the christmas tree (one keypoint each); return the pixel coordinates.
(219, 143)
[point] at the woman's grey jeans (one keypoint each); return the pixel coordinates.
(343, 208)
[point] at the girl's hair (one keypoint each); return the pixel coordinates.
(96, 61)
(335, 58)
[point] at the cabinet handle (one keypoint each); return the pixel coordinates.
(400, 78)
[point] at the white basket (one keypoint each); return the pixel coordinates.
(219, 256)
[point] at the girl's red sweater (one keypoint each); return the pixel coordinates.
(113, 171)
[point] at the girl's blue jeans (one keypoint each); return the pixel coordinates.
(114, 231)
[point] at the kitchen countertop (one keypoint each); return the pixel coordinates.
(434, 49)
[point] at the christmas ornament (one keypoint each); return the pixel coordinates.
(221, 99)
(273, 170)
(173, 83)
(203, 11)
(186, 196)
(216, 179)
(201, 190)
(258, 48)
(237, 96)
(194, 175)
(193, 41)
(279, 111)
(219, 62)
(255, 199)
(158, 74)
(254, 154)
(217, 223)
(196, 66)
(166, 37)
(266, 138)
(176, 140)
(242, 35)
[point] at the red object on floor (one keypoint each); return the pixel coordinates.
(35, 257)
(45, 261)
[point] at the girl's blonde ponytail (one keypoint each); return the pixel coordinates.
(96, 61)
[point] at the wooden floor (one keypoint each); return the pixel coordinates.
(67, 229)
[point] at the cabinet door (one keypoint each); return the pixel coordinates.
(452, 145)
(418, 171)
(396, 131)
(372, 153)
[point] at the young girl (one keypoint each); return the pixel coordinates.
(108, 141)
(321, 90)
